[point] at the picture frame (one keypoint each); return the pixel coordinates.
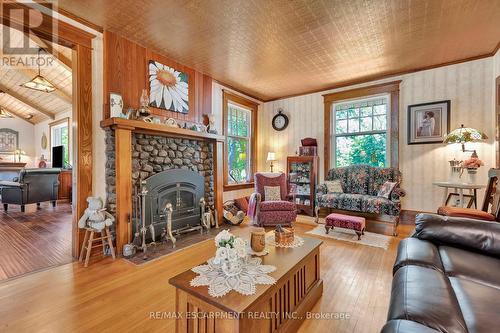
(428, 122)
(9, 141)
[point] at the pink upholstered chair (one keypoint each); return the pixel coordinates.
(270, 213)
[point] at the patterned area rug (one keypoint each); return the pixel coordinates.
(369, 238)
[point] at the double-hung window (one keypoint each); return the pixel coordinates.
(239, 128)
(360, 133)
(59, 136)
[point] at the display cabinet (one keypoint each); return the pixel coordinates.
(302, 177)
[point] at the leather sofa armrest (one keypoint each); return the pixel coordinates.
(413, 251)
(6, 183)
(477, 235)
(406, 326)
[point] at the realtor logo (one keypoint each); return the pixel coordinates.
(27, 29)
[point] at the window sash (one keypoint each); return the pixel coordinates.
(359, 104)
(237, 114)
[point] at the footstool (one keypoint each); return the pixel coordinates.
(355, 223)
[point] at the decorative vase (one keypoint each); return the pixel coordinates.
(472, 172)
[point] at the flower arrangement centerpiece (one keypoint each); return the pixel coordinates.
(472, 164)
(231, 253)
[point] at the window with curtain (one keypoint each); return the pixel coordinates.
(360, 132)
(59, 136)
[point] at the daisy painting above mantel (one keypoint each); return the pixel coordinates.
(168, 88)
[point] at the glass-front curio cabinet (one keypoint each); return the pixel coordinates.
(302, 174)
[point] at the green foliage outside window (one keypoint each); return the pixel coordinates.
(238, 144)
(361, 149)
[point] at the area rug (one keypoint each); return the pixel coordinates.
(369, 238)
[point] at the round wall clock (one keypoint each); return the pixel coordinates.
(280, 121)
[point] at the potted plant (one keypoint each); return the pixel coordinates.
(231, 253)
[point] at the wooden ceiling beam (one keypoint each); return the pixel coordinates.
(47, 46)
(29, 74)
(17, 115)
(22, 99)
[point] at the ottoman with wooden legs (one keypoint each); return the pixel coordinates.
(355, 223)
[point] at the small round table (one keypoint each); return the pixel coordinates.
(459, 189)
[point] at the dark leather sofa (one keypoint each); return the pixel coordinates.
(447, 278)
(32, 186)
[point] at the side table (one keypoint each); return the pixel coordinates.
(459, 188)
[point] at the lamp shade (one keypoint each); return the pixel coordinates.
(39, 83)
(465, 134)
(271, 156)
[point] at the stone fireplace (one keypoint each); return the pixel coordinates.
(178, 166)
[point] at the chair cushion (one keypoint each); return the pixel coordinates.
(465, 212)
(359, 203)
(242, 203)
(386, 189)
(414, 251)
(281, 205)
(272, 193)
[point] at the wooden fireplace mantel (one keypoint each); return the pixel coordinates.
(123, 129)
(140, 126)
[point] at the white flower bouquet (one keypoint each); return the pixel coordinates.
(231, 253)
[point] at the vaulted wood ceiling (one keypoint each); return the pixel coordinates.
(275, 48)
(30, 105)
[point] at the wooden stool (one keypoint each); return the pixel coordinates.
(89, 239)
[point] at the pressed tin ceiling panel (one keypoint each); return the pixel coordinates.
(275, 48)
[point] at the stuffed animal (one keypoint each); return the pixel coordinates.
(95, 216)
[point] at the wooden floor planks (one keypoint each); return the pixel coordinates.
(117, 296)
(34, 240)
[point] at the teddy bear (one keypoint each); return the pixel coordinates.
(95, 216)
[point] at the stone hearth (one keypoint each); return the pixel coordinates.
(152, 154)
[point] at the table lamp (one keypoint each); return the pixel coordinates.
(271, 157)
(463, 135)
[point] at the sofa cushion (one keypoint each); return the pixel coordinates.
(425, 295)
(413, 251)
(405, 326)
(283, 217)
(359, 203)
(465, 212)
(379, 205)
(276, 205)
(458, 263)
(479, 305)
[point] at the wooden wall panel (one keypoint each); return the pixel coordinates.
(126, 73)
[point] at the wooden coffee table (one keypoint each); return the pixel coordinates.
(277, 308)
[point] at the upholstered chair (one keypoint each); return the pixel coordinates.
(271, 211)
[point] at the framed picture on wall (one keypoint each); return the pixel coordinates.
(168, 88)
(9, 141)
(428, 122)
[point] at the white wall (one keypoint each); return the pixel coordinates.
(26, 139)
(467, 85)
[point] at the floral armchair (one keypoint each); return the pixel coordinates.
(360, 185)
(264, 212)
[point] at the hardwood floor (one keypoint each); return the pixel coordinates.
(34, 240)
(117, 296)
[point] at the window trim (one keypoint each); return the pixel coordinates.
(227, 98)
(54, 124)
(387, 131)
(390, 88)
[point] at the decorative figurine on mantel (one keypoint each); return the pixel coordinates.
(143, 111)
(95, 219)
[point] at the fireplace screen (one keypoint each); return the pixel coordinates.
(181, 188)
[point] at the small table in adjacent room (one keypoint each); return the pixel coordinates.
(298, 288)
(458, 190)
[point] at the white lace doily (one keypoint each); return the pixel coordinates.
(219, 284)
(297, 242)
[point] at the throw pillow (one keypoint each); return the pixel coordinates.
(242, 203)
(272, 193)
(334, 186)
(386, 189)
